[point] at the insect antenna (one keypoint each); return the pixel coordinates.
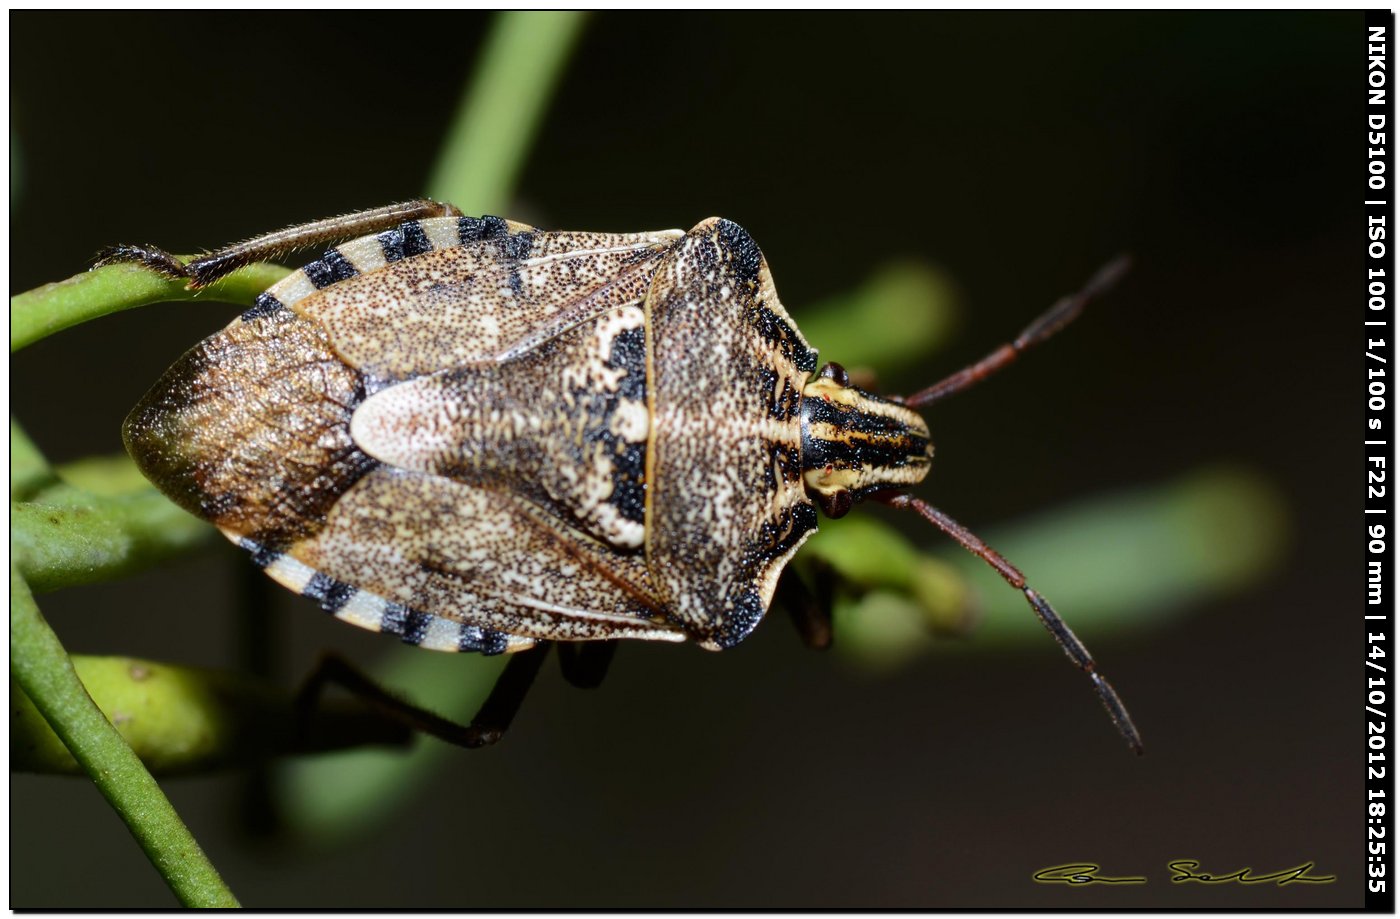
(1065, 311)
(1073, 647)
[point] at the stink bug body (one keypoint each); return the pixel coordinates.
(481, 436)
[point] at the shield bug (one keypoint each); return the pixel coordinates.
(482, 436)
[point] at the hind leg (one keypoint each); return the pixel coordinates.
(207, 269)
(487, 727)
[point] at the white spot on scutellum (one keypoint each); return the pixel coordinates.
(407, 426)
(598, 481)
(631, 421)
(618, 529)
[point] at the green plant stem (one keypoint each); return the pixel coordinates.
(182, 720)
(41, 667)
(109, 476)
(52, 308)
(518, 68)
(65, 536)
(29, 470)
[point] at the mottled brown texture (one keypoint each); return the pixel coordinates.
(466, 425)
(249, 429)
(481, 555)
(556, 424)
(724, 513)
(480, 302)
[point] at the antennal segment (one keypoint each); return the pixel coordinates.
(1073, 647)
(1065, 311)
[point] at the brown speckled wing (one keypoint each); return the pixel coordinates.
(251, 430)
(475, 555)
(468, 291)
(725, 505)
(564, 425)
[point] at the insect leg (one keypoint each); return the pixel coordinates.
(209, 268)
(148, 256)
(498, 711)
(585, 663)
(1071, 644)
(1065, 311)
(810, 609)
(490, 723)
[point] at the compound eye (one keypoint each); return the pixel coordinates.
(836, 373)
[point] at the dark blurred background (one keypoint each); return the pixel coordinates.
(1014, 151)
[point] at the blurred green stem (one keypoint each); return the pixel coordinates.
(29, 470)
(1117, 561)
(1113, 563)
(517, 71)
(903, 310)
(41, 667)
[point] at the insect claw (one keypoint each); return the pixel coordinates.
(482, 737)
(152, 257)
